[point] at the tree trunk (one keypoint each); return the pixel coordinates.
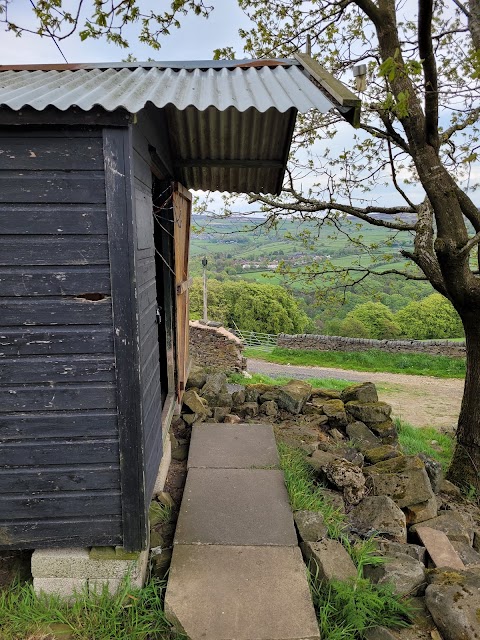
(465, 467)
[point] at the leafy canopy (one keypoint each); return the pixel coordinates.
(265, 308)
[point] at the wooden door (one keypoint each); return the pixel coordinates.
(182, 211)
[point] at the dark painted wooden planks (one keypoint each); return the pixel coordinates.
(54, 310)
(53, 281)
(68, 504)
(62, 369)
(52, 186)
(65, 452)
(49, 219)
(55, 340)
(21, 398)
(61, 532)
(57, 250)
(62, 478)
(59, 424)
(51, 153)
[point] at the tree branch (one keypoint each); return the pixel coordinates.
(425, 49)
(473, 242)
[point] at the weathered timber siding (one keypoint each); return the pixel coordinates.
(59, 449)
(145, 139)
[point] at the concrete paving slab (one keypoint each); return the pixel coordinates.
(241, 593)
(239, 446)
(235, 507)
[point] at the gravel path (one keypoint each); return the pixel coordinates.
(419, 400)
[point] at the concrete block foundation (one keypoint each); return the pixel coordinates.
(65, 571)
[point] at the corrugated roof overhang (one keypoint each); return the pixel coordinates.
(230, 122)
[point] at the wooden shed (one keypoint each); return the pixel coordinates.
(95, 166)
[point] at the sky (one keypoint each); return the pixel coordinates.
(196, 39)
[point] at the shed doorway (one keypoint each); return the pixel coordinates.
(163, 234)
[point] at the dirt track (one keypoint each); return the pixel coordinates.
(419, 400)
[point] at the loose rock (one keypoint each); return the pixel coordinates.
(194, 402)
(369, 411)
(335, 411)
(364, 392)
(417, 513)
(196, 378)
(347, 476)
(379, 515)
(386, 431)
(231, 418)
(215, 386)
(403, 479)
(384, 452)
(406, 574)
(453, 600)
(456, 525)
(269, 408)
(390, 548)
(311, 525)
(362, 436)
(434, 471)
(328, 560)
(293, 396)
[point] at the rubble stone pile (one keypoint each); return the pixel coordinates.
(429, 535)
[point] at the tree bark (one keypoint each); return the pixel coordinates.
(465, 468)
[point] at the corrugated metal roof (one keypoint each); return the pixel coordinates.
(230, 122)
(280, 87)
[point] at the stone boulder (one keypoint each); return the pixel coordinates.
(215, 386)
(363, 392)
(383, 452)
(404, 479)
(238, 397)
(406, 574)
(335, 412)
(434, 471)
(362, 436)
(379, 515)
(196, 378)
(418, 513)
(386, 431)
(232, 418)
(467, 554)
(293, 396)
(326, 394)
(453, 599)
(194, 402)
(391, 548)
(347, 476)
(457, 526)
(369, 412)
(269, 408)
(328, 560)
(310, 525)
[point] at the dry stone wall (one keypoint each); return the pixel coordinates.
(337, 343)
(216, 348)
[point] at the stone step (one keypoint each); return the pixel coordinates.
(239, 446)
(240, 593)
(235, 507)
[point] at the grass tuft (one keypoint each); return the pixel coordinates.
(317, 383)
(131, 614)
(371, 360)
(428, 440)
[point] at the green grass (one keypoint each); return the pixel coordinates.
(132, 614)
(415, 440)
(345, 610)
(317, 383)
(371, 360)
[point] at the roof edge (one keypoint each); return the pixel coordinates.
(335, 88)
(152, 64)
